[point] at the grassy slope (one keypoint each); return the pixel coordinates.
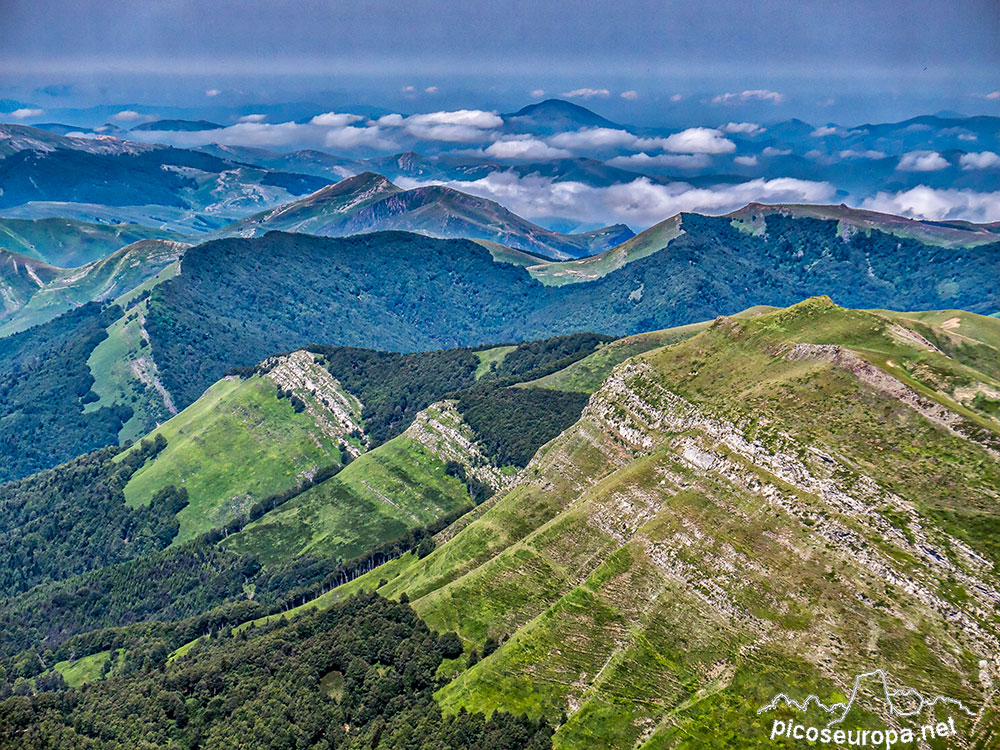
(237, 444)
(490, 357)
(68, 243)
(379, 496)
(115, 275)
(645, 243)
(587, 374)
(659, 603)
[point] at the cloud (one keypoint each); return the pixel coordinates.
(922, 161)
(129, 115)
(923, 202)
(600, 138)
(991, 95)
(746, 161)
(212, 92)
(772, 151)
(699, 141)
(335, 120)
(331, 131)
(675, 161)
(537, 94)
(457, 126)
(744, 128)
(431, 90)
(825, 130)
(587, 93)
(252, 118)
(851, 153)
(24, 112)
(676, 98)
(981, 160)
(524, 147)
(631, 95)
(750, 95)
(639, 203)
(408, 89)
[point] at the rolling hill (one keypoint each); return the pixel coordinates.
(726, 518)
(368, 202)
(772, 503)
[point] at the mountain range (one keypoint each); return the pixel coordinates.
(333, 462)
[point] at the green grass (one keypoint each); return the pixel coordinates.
(646, 243)
(378, 497)
(237, 444)
(85, 669)
(489, 358)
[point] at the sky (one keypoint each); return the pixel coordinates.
(645, 62)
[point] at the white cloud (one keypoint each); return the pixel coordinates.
(457, 126)
(699, 141)
(129, 115)
(676, 97)
(524, 147)
(537, 94)
(212, 92)
(744, 128)
(252, 118)
(587, 93)
(690, 141)
(24, 112)
(598, 138)
(851, 153)
(639, 203)
(431, 90)
(408, 89)
(980, 160)
(746, 161)
(967, 137)
(922, 161)
(336, 134)
(750, 95)
(825, 130)
(923, 202)
(630, 95)
(676, 161)
(772, 151)
(991, 95)
(335, 119)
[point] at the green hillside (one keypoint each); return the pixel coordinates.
(375, 291)
(241, 442)
(105, 279)
(728, 516)
(68, 243)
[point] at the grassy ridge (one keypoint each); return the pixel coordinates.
(379, 496)
(237, 444)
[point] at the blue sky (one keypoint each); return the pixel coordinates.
(850, 61)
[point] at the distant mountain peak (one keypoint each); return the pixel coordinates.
(558, 113)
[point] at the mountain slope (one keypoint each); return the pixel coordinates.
(105, 279)
(369, 202)
(758, 509)
(20, 278)
(67, 243)
(105, 178)
(375, 290)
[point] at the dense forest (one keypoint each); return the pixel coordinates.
(44, 384)
(73, 518)
(360, 674)
(238, 301)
